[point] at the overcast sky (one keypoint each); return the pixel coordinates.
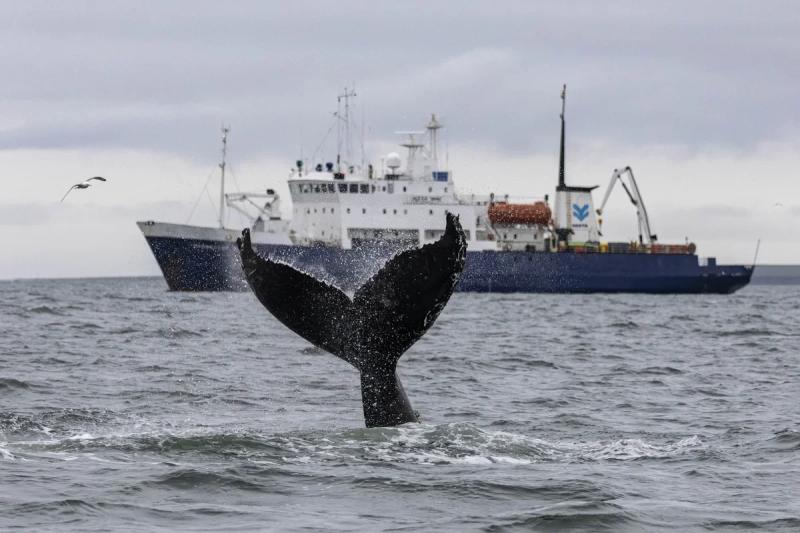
(700, 98)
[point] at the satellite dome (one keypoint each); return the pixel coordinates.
(393, 161)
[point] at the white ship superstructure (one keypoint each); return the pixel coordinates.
(347, 206)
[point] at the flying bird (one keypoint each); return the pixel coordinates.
(82, 185)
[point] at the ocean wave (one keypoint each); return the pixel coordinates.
(197, 479)
(786, 440)
(13, 384)
(791, 524)
(176, 333)
(45, 310)
(659, 370)
(462, 443)
(454, 443)
(572, 515)
(5, 454)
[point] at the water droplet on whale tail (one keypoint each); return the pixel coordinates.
(371, 331)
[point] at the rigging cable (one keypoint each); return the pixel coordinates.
(200, 196)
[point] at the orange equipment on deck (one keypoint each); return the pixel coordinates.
(535, 213)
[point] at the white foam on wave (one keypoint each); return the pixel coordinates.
(4, 453)
(82, 436)
(468, 445)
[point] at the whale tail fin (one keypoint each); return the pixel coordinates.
(408, 293)
(386, 316)
(311, 308)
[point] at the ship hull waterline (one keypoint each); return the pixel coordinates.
(204, 265)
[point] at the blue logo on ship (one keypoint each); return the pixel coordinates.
(580, 211)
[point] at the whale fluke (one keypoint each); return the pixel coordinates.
(386, 315)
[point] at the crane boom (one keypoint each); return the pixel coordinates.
(646, 235)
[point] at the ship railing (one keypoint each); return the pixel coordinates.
(485, 199)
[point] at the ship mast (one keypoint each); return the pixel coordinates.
(348, 93)
(433, 127)
(222, 177)
(561, 169)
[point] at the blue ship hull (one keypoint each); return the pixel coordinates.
(201, 265)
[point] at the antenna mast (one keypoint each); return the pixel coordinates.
(348, 93)
(561, 169)
(433, 127)
(222, 177)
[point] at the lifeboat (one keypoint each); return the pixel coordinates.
(535, 213)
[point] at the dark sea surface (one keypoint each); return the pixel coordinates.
(127, 407)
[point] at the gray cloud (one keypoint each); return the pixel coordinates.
(163, 76)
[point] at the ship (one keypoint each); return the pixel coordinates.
(349, 217)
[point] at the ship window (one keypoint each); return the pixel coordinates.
(305, 188)
(383, 188)
(384, 211)
(353, 187)
(342, 187)
(430, 189)
(363, 211)
(405, 211)
(373, 188)
(316, 187)
(515, 236)
(390, 188)
(323, 233)
(505, 236)
(308, 211)
(348, 210)
(445, 189)
(323, 209)
(363, 188)
(331, 210)
(430, 211)
(394, 211)
(315, 209)
(404, 188)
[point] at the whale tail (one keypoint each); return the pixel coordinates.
(371, 331)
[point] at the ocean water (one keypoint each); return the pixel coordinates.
(127, 407)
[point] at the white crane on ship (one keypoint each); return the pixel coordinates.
(646, 235)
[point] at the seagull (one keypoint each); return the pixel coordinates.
(82, 185)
